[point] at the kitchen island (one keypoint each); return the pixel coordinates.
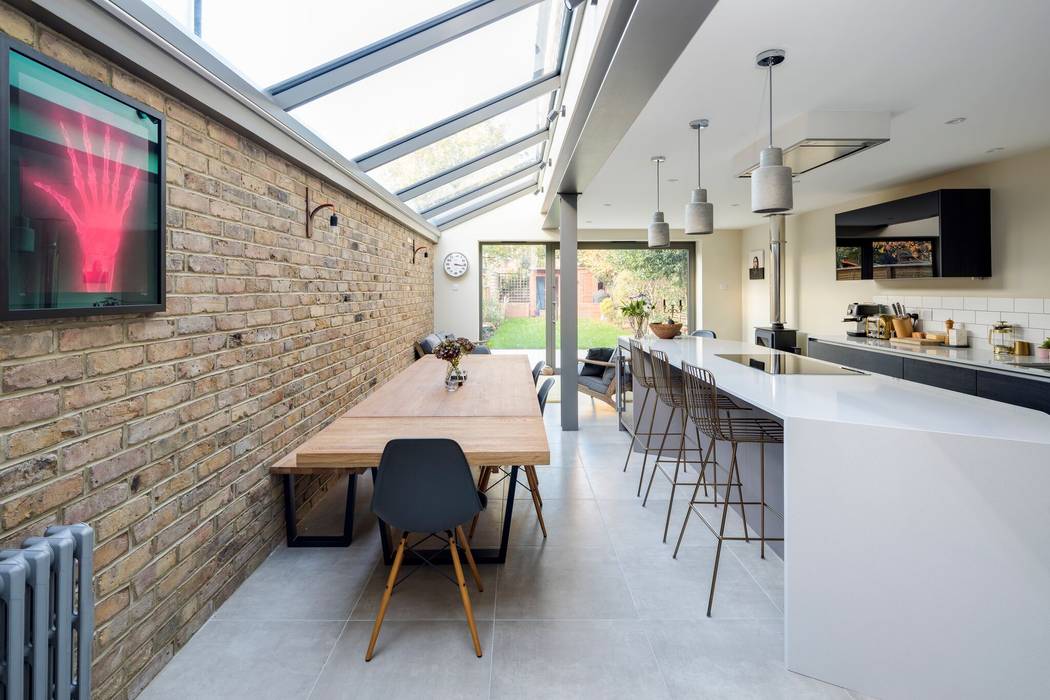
(917, 525)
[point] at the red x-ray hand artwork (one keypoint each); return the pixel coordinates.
(97, 208)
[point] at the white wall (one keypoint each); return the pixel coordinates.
(456, 301)
(815, 301)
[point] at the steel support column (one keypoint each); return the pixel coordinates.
(567, 313)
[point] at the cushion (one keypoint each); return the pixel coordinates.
(596, 384)
(610, 372)
(602, 354)
(429, 343)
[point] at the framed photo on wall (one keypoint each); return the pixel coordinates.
(756, 265)
(82, 193)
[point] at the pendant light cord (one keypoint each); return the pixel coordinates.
(698, 133)
(770, 102)
(657, 185)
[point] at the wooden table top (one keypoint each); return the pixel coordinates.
(494, 417)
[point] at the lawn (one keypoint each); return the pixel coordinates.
(528, 333)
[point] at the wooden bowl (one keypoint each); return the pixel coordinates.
(665, 331)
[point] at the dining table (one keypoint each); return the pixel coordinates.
(494, 416)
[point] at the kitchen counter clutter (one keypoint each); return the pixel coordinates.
(985, 359)
(904, 506)
(1018, 380)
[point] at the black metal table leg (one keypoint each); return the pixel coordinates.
(292, 535)
(487, 555)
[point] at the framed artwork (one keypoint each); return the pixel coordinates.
(82, 193)
(756, 265)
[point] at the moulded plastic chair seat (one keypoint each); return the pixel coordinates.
(537, 370)
(702, 333)
(481, 350)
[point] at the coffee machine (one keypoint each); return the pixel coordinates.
(857, 316)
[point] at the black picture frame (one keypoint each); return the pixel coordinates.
(7, 45)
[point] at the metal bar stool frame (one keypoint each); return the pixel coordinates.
(701, 393)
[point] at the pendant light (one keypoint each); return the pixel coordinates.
(771, 181)
(699, 214)
(659, 230)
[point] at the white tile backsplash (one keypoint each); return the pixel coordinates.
(1030, 316)
(1028, 306)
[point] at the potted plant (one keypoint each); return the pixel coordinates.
(451, 350)
(1043, 351)
(670, 328)
(636, 310)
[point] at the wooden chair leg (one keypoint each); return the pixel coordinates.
(390, 581)
(463, 594)
(534, 486)
(470, 559)
(483, 485)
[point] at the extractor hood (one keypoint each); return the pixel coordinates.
(819, 138)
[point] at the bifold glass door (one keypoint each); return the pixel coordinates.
(520, 293)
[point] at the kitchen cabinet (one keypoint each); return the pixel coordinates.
(944, 376)
(865, 360)
(1016, 390)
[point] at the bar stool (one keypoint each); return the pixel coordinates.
(642, 372)
(702, 399)
(670, 392)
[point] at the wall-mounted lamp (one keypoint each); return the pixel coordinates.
(333, 220)
(426, 253)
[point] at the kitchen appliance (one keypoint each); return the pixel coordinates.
(879, 326)
(856, 315)
(1001, 338)
(1022, 348)
(786, 363)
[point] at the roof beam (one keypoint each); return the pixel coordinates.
(485, 206)
(457, 122)
(464, 169)
(484, 189)
(352, 67)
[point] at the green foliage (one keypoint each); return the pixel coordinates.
(1046, 344)
(530, 334)
(608, 309)
(636, 307)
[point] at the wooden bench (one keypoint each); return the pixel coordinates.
(288, 468)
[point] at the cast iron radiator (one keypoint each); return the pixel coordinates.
(47, 616)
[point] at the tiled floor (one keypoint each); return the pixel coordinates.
(598, 610)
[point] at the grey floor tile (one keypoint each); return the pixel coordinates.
(769, 572)
(614, 484)
(569, 523)
(555, 483)
(304, 584)
(247, 659)
(677, 589)
(563, 583)
(579, 659)
(731, 660)
(631, 525)
(412, 660)
(426, 595)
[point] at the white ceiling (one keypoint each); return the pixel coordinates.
(924, 61)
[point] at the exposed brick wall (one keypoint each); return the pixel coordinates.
(158, 430)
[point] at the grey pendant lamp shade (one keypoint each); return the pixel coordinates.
(771, 190)
(659, 230)
(699, 213)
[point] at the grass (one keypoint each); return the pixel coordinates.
(528, 334)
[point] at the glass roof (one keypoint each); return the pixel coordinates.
(438, 100)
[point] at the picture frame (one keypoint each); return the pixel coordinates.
(756, 265)
(104, 213)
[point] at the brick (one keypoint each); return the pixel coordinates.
(133, 87)
(17, 346)
(91, 450)
(156, 521)
(33, 375)
(27, 441)
(114, 413)
(96, 503)
(22, 475)
(72, 55)
(160, 399)
(173, 350)
(120, 572)
(110, 361)
(90, 337)
(15, 24)
(28, 409)
(152, 427)
(39, 501)
(121, 517)
(109, 606)
(151, 377)
(117, 466)
(153, 329)
(91, 393)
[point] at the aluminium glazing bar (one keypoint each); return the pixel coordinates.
(483, 189)
(457, 122)
(485, 205)
(345, 70)
(463, 169)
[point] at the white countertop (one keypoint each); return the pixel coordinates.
(862, 399)
(984, 359)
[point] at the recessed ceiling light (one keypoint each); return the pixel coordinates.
(796, 180)
(955, 120)
(588, 221)
(672, 179)
(735, 205)
(607, 204)
(995, 150)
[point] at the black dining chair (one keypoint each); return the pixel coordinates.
(481, 350)
(704, 334)
(533, 481)
(425, 486)
(536, 371)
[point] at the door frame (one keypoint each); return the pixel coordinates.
(551, 283)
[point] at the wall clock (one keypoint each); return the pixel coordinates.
(455, 264)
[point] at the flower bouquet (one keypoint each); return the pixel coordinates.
(452, 350)
(636, 310)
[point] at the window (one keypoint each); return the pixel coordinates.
(478, 178)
